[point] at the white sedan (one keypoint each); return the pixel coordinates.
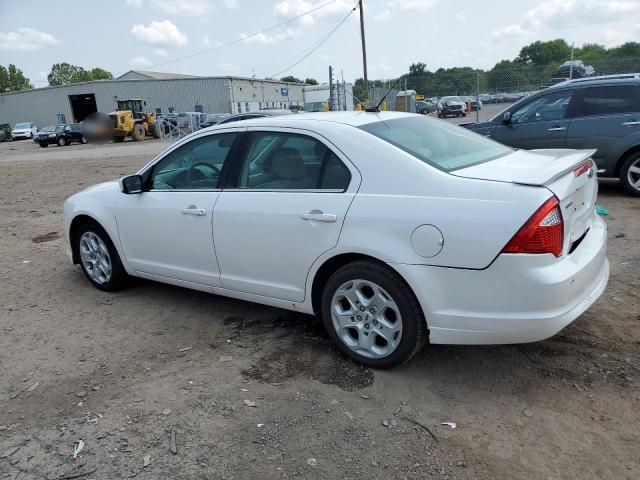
(396, 229)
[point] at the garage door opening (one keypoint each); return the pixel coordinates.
(82, 106)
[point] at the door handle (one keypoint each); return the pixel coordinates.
(318, 216)
(632, 122)
(556, 129)
(198, 212)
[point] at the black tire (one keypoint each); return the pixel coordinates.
(119, 278)
(414, 326)
(118, 139)
(155, 129)
(61, 142)
(44, 145)
(137, 134)
(84, 140)
(624, 175)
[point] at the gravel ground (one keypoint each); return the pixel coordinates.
(256, 392)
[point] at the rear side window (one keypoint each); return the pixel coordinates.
(285, 161)
(608, 100)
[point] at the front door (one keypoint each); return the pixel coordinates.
(541, 123)
(167, 229)
(291, 196)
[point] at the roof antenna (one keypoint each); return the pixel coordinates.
(377, 107)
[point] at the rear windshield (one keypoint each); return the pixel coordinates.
(440, 144)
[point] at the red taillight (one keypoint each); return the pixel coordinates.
(543, 232)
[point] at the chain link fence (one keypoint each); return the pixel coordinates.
(504, 84)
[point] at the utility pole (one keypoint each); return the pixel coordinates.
(364, 50)
(330, 88)
(571, 65)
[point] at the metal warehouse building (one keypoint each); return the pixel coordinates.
(163, 93)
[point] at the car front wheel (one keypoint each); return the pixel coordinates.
(99, 258)
(630, 175)
(372, 315)
(62, 142)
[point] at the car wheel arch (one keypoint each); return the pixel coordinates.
(332, 265)
(74, 227)
(623, 158)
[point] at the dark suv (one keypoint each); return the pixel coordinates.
(61, 135)
(599, 112)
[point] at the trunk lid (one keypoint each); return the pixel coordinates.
(569, 174)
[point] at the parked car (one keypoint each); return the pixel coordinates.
(61, 135)
(599, 112)
(476, 104)
(5, 132)
(425, 107)
(574, 69)
(373, 221)
(249, 115)
(212, 118)
(24, 130)
(451, 107)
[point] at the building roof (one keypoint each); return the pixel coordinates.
(157, 75)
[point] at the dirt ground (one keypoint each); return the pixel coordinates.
(256, 392)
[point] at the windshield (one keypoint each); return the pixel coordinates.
(451, 99)
(445, 146)
(23, 125)
(48, 129)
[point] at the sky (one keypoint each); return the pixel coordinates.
(121, 35)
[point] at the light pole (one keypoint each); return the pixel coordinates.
(364, 51)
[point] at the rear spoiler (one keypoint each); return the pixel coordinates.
(566, 160)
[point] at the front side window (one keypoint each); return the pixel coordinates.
(195, 165)
(440, 144)
(608, 100)
(284, 161)
(543, 109)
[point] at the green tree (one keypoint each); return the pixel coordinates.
(291, 79)
(311, 81)
(65, 73)
(12, 79)
(418, 69)
(542, 53)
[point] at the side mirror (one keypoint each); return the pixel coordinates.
(506, 118)
(131, 184)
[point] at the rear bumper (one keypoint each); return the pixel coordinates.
(518, 299)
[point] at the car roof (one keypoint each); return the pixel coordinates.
(601, 80)
(354, 118)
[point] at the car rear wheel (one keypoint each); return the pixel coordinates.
(62, 142)
(372, 315)
(99, 258)
(630, 175)
(84, 140)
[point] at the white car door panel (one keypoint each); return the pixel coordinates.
(168, 233)
(293, 193)
(267, 241)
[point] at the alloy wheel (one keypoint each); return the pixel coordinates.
(366, 318)
(95, 258)
(633, 174)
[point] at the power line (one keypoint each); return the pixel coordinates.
(318, 45)
(238, 40)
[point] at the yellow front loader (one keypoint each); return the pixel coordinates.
(130, 120)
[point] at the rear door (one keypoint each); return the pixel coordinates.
(286, 207)
(540, 123)
(606, 118)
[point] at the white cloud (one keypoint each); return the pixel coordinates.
(380, 68)
(206, 40)
(26, 39)
(161, 52)
(383, 16)
(263, 38)
(140, 62)
(571, 13)
(42, 75)
(230, 4)
(510, 31)
(412, 5)
(286, 9)
(194, 8)
(461, 17)
(134, 3)
(159, 33)
(230, 67)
